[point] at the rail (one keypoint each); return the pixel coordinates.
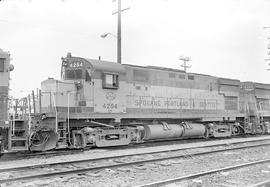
(261, 184)
(199, 174)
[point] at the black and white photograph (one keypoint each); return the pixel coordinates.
(134, 93)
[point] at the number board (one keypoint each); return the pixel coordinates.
(247, 87)
(75, 64)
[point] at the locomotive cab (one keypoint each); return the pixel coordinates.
(94, 78)
(74, 92)
(87, 87)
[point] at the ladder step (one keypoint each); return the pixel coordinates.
(19, 148)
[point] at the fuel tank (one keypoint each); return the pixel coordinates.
(193, 130)
(171, 131)
(162, 131)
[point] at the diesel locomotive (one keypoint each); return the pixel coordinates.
(5, 69)
(100, 103)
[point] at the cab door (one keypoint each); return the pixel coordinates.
(89, 90)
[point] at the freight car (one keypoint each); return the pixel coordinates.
(101, 103)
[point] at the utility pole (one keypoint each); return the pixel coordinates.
(268, 52)
(119, 38)
(185, 60)
(268, 47)
(119, 52)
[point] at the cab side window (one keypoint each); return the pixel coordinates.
(2, 64)
(110, 81)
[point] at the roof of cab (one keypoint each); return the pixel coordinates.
(106, 66)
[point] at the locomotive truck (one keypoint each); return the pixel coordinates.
(99, 103)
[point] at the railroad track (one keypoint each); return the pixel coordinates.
(260, 143)
(199, 174)
(116, 161)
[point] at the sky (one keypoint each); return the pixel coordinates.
(223, 38)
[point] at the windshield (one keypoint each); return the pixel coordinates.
(74, 74)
